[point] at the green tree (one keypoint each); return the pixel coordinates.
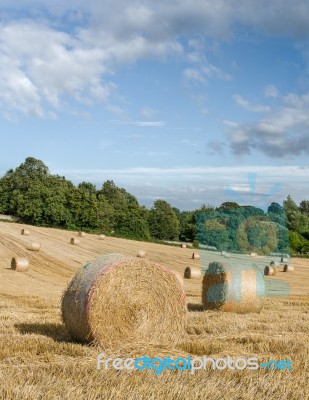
(22, 191)
(304, 207)
(296, 221)
(128, 218)
(228, 205)
(212, 229)
(296, 242)
(163, 221)
(84, 208)
(88, 186)
(187, 225)
(105, 214)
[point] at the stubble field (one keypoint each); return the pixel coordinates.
(39, 360)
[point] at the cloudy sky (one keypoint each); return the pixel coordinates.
(195, 102)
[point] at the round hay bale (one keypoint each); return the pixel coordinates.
(284, 259)
(141, 253)
(288, 268)
(81, 234)
(275, 269)
(183, 246)
(20, 264)
(233, 289)
(253, 254)
(195, 256)
(192, 273)
(102, 237)
(272, 263)
(117, 299)
(268, 270)
(178, 275)
(75, 241)
(34, 246)
(25, 232)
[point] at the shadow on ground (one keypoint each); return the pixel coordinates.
(57, 332)
(195, 307)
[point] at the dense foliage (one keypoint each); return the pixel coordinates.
(35, 196)
(163, 221)
(243, 230)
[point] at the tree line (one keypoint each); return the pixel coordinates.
(35, 196)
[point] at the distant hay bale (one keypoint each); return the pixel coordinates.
(233, 289)
(75, 241)
(195, 256)
(25, 232)
(34, 246)
(284, 259)
(141, 253)
(288, 268)
(81, 234)
(268, 270)
(178, 275)
(102, 237)
(253, 254)
(20, 264)
(274, 268)
(117, 299)
(192, 273)
(183, 245)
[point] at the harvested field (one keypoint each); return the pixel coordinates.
(39, 360)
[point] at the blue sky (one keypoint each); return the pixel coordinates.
(178, 100)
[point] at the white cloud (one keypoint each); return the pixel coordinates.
(41, 66)
(148, 112)
(215, 147)
(193, 74)
(245, 104)
(203, 70)
(189, 187)
(206, 16)
(283, 134)
(198, 174)
(211, 71)
(56, 51)
(271, 91)
(142, 123)
(115, 109)
(135, 136)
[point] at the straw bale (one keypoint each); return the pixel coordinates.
(117, 299)
(233, 289)
(141, 253)
(20, 264)
(192, 273)
(288, 268)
